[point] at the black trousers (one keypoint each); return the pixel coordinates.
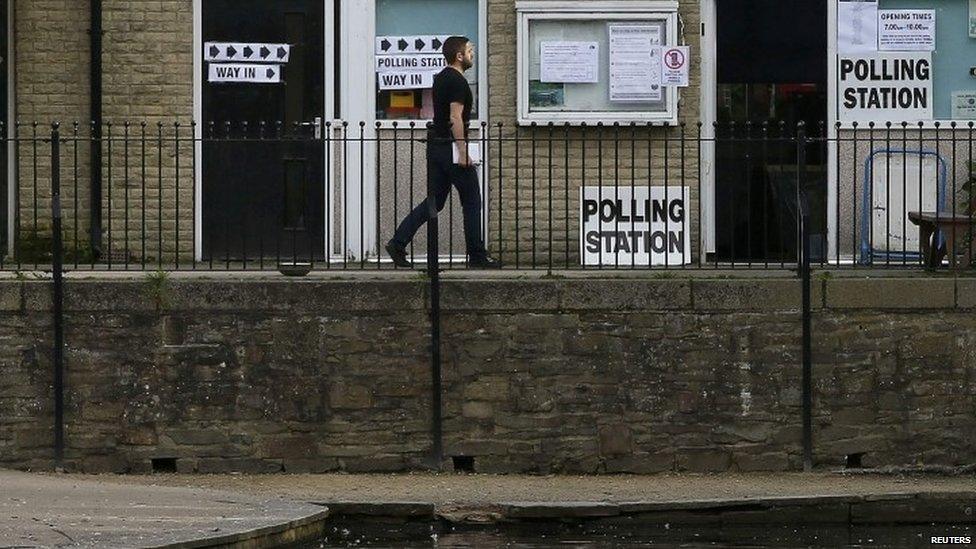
(442, 173)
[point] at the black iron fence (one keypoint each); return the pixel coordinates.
(267, 196)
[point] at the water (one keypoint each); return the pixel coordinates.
(628, 532)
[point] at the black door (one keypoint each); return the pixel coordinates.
(262, 153)
(772, 70)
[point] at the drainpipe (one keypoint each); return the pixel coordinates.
(95, 94)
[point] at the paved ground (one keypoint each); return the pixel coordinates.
(46, 510)
(61, 511)
(452, 488)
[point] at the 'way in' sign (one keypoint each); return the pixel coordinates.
(258, 74)
(406, 80)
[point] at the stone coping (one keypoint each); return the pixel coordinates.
(135, 292)
(881, 508)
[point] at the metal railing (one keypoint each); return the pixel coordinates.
(257, 196)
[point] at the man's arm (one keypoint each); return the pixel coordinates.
(460, 133)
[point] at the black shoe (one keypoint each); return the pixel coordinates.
(486, 262)
(398, 255)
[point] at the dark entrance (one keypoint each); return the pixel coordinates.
(263, 167)
(772, 74)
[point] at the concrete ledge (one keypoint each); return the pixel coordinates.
(304, 530)
(852, 509)
(500, 295)
(626, 295)
(752, 295)
(891, 293)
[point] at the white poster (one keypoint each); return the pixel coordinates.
(405, 80)
(569, 62)
(972, 18)
(964, 105)
(244, 72)
(635, 226)
(256, 52)
(675, 66)
(416, 63)
(635, 63)
(895, 87)
(906, 30)
(857, 26)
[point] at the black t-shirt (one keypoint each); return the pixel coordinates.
(450, 86)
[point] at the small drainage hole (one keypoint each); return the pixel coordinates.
(463, 464)
(854, 461)
(164, 465)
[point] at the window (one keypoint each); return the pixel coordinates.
(581, 64)
(409, 20)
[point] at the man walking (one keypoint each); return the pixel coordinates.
(448, 160)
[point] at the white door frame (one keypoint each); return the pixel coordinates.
(11, 108)
(709, 91)
(358, 103)
(328, 114)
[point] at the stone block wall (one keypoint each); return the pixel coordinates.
(540, 376)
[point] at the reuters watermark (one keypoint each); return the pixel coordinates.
(951, 540)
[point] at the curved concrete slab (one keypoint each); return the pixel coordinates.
(60, 511)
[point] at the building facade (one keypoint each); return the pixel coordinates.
(319, 155)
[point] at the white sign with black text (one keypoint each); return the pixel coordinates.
(569, 62)
(422, 62)
(405, 80)
(393, 45)
(245, 72)
(894, 87)
(635, 63)
(857, 26)
(906, 30)
(246, 52)
(675, 66)
(635, 226)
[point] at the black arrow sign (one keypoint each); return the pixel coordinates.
(214, 51)
(282, 52)
(436, 44)
(385, 45)
(265, 52)
(231, 52)
(248, 52)
(271, 73)
(402, 44)
(419, 44)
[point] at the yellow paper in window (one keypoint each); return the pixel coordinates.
(401, 100)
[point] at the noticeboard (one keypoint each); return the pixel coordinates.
(600, 65)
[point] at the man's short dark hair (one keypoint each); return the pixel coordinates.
(453, 46)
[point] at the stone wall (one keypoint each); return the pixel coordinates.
(558, 375)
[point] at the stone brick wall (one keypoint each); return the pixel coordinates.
(541, 376)
(544, 194)
(51, 48)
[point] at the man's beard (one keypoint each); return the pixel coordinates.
(465, 64)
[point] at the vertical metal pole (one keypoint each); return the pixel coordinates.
(57, 258)
(804, 221)
(433, 271)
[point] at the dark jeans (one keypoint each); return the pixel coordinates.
(442, 173)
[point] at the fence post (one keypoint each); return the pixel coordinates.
(57, 258)
(433, 272)
(803, 218)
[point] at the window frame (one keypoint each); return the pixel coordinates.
(480, 64)
(607, 11)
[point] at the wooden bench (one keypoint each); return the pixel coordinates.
(955, 228)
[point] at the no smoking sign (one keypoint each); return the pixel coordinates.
(674, 67)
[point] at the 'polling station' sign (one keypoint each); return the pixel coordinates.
(882, 87)
(634, 226)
